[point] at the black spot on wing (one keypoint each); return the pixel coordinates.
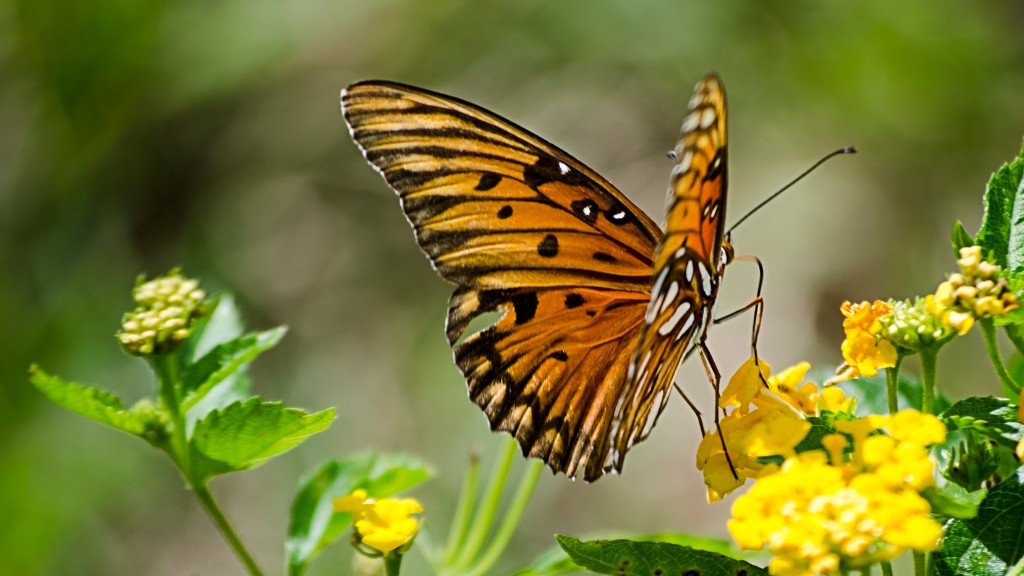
(717, 167)
(505, 212)
(603, 257)
(487, 182)
(548, 247)
(525, 306)
(618, 215)
(574, 300)
(586, 209)
(560, 355)
(548, 169)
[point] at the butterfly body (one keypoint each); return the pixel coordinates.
(598, 305)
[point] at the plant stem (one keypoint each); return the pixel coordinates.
(886, 568)
(206, 498)
(988, 333)
(511, 520)
(927, 381)
(392, 564)
(919, 564)
(463, 511)
(168, 372)
(484, 516)
(892, 378)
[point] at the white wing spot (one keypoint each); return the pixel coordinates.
(673, 290)
(685, 327)
(689, 270)
(563, 168)
(620, 215)
(707, 210)
(706, 278)
(588, 210)
(707, 118)
(666, 328)
(690, 122)
(714, 210)
(684, 164)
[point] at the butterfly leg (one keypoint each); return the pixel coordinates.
(693, 407)
(716, 379)
(757, 304)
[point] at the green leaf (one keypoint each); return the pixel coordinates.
(221, 324)
(995, 418)
(1002, 227)
(953, 501)
(246, 434)
(555, 561)
(961, 239)
(96, 404)
(223, 361)
(635, 558)
(990, 543)
(314, 525)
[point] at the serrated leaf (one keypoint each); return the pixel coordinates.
(90, 402)
(1002, 228)
(995, 418)
(246, 434)
(992, 542)
(223, 361)
(635, 558)
(961, 239)
(555, 561)
(314, 525)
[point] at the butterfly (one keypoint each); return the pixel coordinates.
(598, 305)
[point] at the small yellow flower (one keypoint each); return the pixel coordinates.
(865, 349)
(820, 514)
(764, 421)
(166, 309)
(976, 292)
(384, 524)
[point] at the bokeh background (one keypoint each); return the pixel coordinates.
(137, 136)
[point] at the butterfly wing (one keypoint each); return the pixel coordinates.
(524, 229)
(687, 266)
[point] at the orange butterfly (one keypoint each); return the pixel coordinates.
(598, 305)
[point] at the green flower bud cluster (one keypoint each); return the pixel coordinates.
(166, 310)
(912, 325)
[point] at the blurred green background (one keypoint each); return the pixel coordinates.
(137, 136)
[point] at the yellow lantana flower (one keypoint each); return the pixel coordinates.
(864, 349)
(384, 524)
(763, 421)
(977, 291)
(822, 513)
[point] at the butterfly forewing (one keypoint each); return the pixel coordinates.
(687, 265)
(524, 229)
(576, 367)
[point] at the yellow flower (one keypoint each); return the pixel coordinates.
(165, 313)
(820, 514)
(864, 349)
(764, 421)
(384, 524)
(977, 291)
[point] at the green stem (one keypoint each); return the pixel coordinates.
(886, 568)
(919, 564)
(511, 520)
(392, 564)
(206, 498)
(1013, 333)
(988, 333)
(463, 511)
(928, 357)
(484, 516)
(892, 378)
(168, 372)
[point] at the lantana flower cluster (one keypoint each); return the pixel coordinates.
(165, 311)
(977, 291)
(764, 421)
(851, 505)
(386, 524)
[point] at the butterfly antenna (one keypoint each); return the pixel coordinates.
(846, 150)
